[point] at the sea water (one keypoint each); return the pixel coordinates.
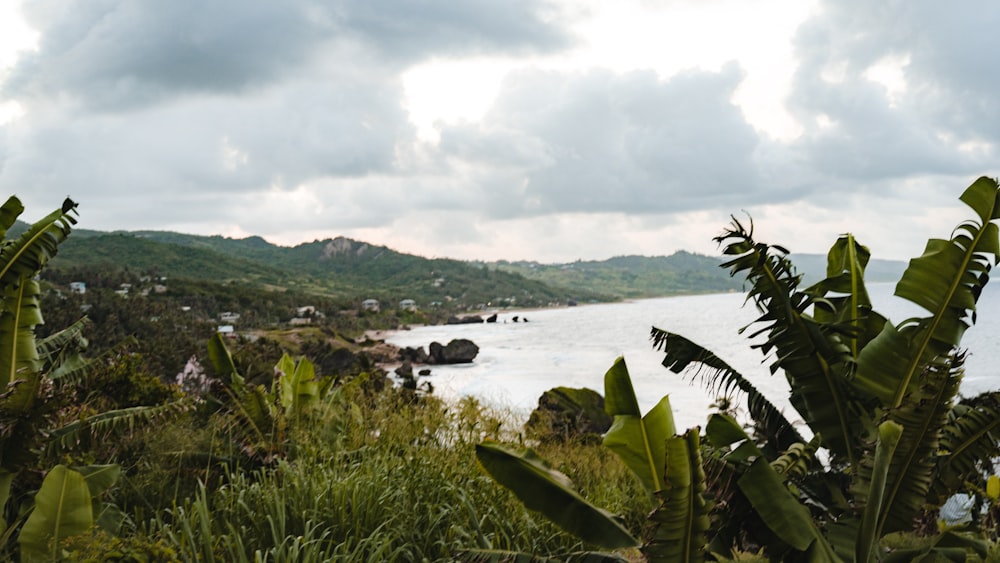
(575, 346)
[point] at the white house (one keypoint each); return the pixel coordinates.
(229, 317)
(78, 287)
(408, 305)
(370, 305)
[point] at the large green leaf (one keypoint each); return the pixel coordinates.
(922, 416)
(222, 361)
(841, 299)
(678, 527)
(27, 255)
(970, 442)
(640, 441)
(682, 355)
(782, 512)
(297, 384)
(550, 492)
(9, 213)
(946, 281)
(62, 509)
(20, 312)
(811, 354)
(109, 424)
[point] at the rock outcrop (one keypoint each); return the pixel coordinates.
(458, 351)
(568, 414)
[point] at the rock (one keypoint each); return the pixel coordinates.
(492, 318)
(458, 351)
(424, 372)
(415, 355)
(568, 414)
(435, 353)
(468, 319)
(405, 371)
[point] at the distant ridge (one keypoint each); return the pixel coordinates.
(347, 268)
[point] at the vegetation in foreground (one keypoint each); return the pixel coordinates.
(891, 441)
(102, 461)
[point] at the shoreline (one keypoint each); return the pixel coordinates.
(382, 334)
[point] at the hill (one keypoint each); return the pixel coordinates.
(633, 277)
(336, 268)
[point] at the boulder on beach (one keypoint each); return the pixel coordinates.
(468, 319)
(416, 355)
(569, 414)
(458, 351)
(492, 318)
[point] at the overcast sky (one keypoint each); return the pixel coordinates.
(514, 129)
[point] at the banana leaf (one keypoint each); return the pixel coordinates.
(678, 528)
(922, 416)
(62, 508)
(946, 281)
(889, 434)
(970, 442)
(683, 355)
(782, 512)
(810, 353)
(550, 492)
(19, 314)
(9, 212)
(25, 256)
(640, 441)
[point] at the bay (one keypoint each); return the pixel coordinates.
(575, 346)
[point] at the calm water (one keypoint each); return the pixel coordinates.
(575, 347)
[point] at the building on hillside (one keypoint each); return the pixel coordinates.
(78, 287)
(300, 321)
(229, 317)
(408, 305)
(229, 331)
(370, 305)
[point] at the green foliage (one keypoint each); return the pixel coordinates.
(340, 268)
(879, 398)
(632, 277)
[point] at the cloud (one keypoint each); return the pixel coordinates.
(599, 141)
(115, 55)
(935, 113)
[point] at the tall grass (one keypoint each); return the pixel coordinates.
(380, 477)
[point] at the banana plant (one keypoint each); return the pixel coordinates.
(261, 415)
(668, 466)
(33, 372)
(854, 375)
(66, 505)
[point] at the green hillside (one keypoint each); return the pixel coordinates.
(633, 277)
(338, 268)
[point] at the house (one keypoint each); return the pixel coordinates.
(408, 305)
(229, 317)
(300, 321)
(78, 287)
(229, 331)
(306, 311)
(370, 305)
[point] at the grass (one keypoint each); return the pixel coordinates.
(369, 476)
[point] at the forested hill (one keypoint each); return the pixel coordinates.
(634, 276)
(346, 269)
(339, 268)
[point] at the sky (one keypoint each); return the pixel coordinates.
(548, 130)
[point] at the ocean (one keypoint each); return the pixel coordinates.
(575, 346)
